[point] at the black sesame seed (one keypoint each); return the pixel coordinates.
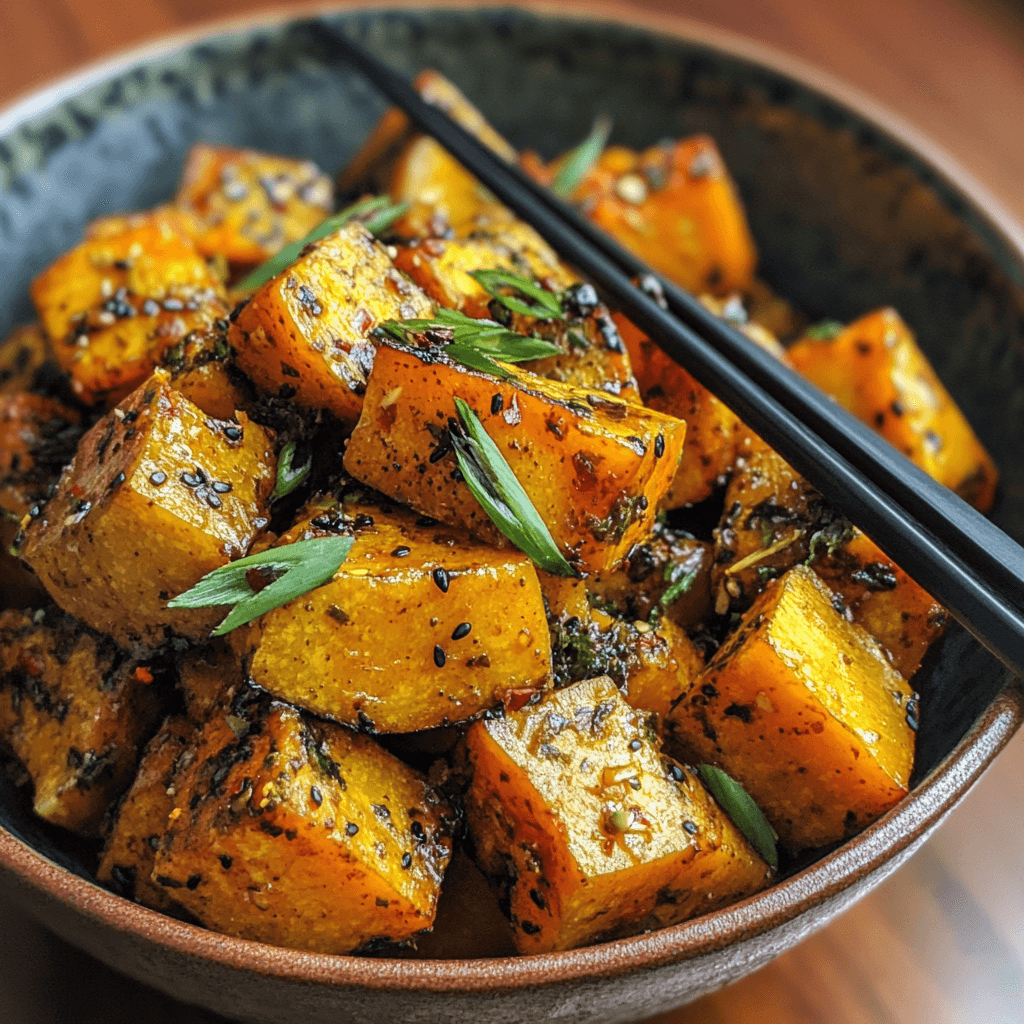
(362, 522)
(193, 881)
(173, 304)
(226, 862)
(315, 795)
(439, 656)
(351, 828)
(441, 579)
(406, 861)
(426, 521)
(233, 433)
(675, 773)
(635, 744)
(659, 446)
(157, 478)
(497, 404)
(400, 552)
(912, 714)
(150, 308)
(221, 487)
(690, 827)
(130, 416)
(117, 481)
(461, 630)
(212, 500)
(417, 830)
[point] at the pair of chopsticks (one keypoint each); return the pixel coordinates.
(958, 556)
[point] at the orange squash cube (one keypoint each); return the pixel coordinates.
(594, 466)
(420, 626)
(248, 204)
(594, 833)
(158, 495)
(74, 710)
(300, 833)
(305, 333)
(875, 369)
(115, 304)
(805, 711)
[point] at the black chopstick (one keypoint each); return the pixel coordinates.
(978, 581)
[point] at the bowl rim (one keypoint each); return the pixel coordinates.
(862, 862)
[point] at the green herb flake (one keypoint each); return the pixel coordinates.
(678, 588)
(377, 214)
(546, 305)
(474, 343)
(826, 330)
(306, 565)
(289, 476)
(494, 485)
(741, 809)
(577, 162)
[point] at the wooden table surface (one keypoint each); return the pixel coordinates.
(942, 942)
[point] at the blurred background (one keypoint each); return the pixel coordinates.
(942, 942)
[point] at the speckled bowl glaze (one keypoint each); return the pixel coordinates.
(850, 208)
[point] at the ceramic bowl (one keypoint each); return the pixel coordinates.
(850, 209)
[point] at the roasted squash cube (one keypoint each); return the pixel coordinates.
(713, 431)
(114, 304)
(594, 466)
(594, 831)
(305, 333)
(882, 598)
(414, 168)
(668, 574)
(592, 353)
(130, 850)
(875, 369)
(676, 207)
(74, 709)
(24, 355)
(248, 204)
(420, 626)
(159, 494)
(805, 711)
(301, 833)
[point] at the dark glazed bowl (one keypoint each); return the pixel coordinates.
(851, 210)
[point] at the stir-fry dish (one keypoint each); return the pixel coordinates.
(340, 543)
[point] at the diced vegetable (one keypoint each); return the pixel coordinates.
(130, 850)
(420, 626)
(158, 495)
(875, 369)
(804, 710)
(249, 204)
(594, 466)
(74, 709)
(300, 833)
(593, 831)
(115, 304)
(305, 333)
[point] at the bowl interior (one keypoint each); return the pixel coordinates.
(845, 217)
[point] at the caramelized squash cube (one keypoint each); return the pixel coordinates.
(875, 369)
(420, 626)
(713, 431)
(595, 467)
(305, 333)
(74, 709)
(248, 204)
(130, 850)
(300, 833)
(882, 598)
(158, 495)
(414, 168)
(676, 207)
(804, 710)
(595, 833)
(115, 304)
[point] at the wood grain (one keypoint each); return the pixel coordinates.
(943, 941)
